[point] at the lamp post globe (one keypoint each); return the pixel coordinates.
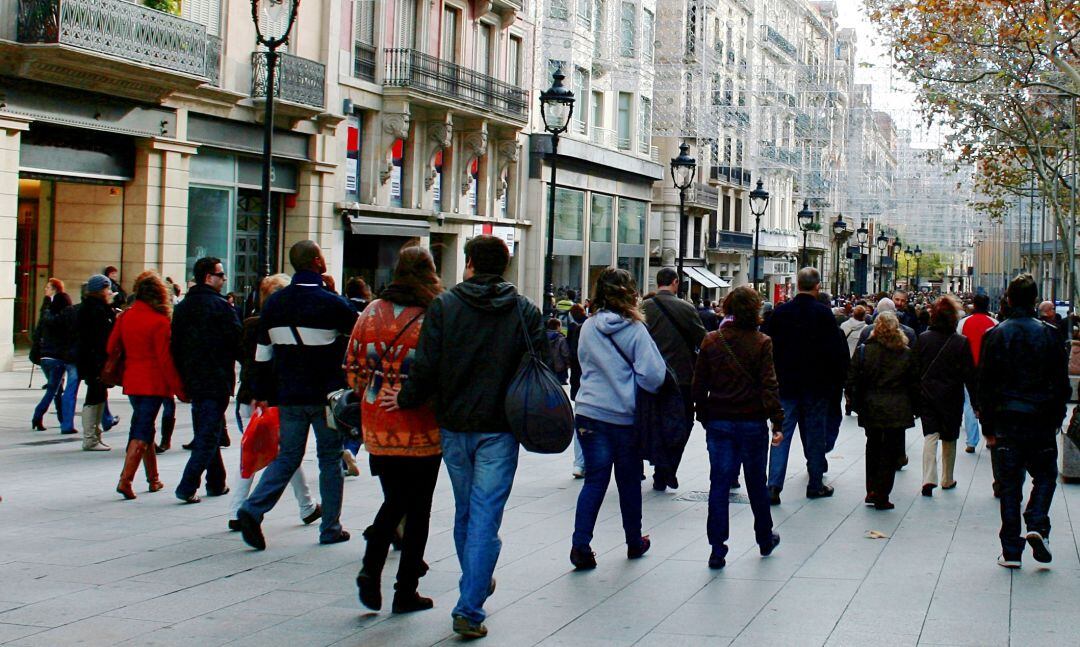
(806, 220)
(683, 171)
(556, 109)
(759, 202)
(862, 234)
(882, 242)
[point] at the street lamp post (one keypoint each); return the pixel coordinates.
(268, 14)
(806, 221)
(839, 228)
(918, 256)
(908, 254)
(882, 243)
(556, 108)
(759, 202)
(683, 169)
(862, 235)
(897, 250)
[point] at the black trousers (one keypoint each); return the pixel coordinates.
(1024, 447)
(408, 484)
(883, 448)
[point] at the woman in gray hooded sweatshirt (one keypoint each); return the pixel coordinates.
(617, 356)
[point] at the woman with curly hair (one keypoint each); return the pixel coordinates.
(617, 357)
(947, 368)
(149, 378)
(736, 396)
(883, 388)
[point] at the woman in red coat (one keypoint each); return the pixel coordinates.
(149, 378)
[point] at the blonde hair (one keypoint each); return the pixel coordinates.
(272, 284)
(887, 331)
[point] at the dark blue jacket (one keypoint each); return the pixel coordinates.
(810, 353)
(302, 334)
(205, 343)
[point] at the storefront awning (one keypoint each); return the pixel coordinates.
(706, 278)
(383, 226)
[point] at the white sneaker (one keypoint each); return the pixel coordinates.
(1040, 547)
(1008, 563)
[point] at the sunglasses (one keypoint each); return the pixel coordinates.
(220, 275)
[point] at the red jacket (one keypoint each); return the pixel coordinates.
(148, 364)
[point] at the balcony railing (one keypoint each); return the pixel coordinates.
(213, 59)
(720, 173)
(781, 43)
(364, 61)
(703, 195)
(297, 80)
(117, 28)
(731, 240)
(602, 137)
(408, 68)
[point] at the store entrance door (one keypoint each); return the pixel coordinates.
(249, 208)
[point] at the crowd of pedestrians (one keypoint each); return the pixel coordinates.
(430, 368)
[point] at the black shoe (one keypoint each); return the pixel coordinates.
(341, 537)
(636, 552)
(37, 425)
(1039, 547)
(409, 602)
(188, 446)
(767, 549)
(225, 440)
(997, 489)
(369, 592)
(67, 432)
(884, 504)
(774, 496)
(735, 485)
(234, 525)
(218, 493)
(673, 482)
(716, 562)
(825, 491)
(928, 489)
(251, 531)
(583, 559)
(659, 483)
(317, 514)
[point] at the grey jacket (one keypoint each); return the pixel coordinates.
(679, 336)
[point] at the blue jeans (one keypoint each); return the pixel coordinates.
(971, 423)
(295, 422)
(733, 443)
(144, 410)
(206, 417)
(608, 446)
(1022, 449)
(56, 370)
(809, 412)
(481, 469)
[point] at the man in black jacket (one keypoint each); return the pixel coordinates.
(302, 334)
(677, 329)
(470, 348)
(811, 363)
(205, 347)
(1023, 393)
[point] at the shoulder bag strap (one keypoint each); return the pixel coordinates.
(678, 328)
(619, 351)
(734, 358)
(378, 364)
(936, 357)
(524, 329)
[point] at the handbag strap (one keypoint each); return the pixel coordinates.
(619, 350)
(936, 357)
(378, 364)
(678, 328)
(734, 357)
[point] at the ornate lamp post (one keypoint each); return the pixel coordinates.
(683, 170)
(908, 255)
(918, 256)
(839, 229)
(862, 236)
(882, 243)
(806, 222)
(897, 251)
(759, 202)
(556, 108)
(277, 16)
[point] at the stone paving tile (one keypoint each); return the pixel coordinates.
(80, 566)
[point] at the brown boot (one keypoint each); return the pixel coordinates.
(135, 451)
(150, 467)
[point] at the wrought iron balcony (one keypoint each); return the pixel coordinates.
(720, 173)
(297, 80)
(702, 195)
(124, 30)
(730, 240)
(770, 35)
(364, 61)
(419, 72)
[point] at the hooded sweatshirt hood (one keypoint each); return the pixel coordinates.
(610, 323)
(487, 292)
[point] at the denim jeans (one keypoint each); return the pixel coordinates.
(971, 423)
(295, 422)
(56, 370)
(481, 468)
(206, 418)
(809, 412)
(144, 410)
(608, 446)
(732, 443)
(1021, 450)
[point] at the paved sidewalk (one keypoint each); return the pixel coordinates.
(80, 566)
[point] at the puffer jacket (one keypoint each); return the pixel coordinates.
(883, 386)
(469, 349)
(56, 335)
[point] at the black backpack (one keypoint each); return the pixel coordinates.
(537, 407)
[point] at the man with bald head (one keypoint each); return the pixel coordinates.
(1048, 314)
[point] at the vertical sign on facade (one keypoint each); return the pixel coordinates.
(352, 160)
(436, 188)
(474, 176)
(395, 172)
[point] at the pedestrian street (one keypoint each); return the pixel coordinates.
(79, 565)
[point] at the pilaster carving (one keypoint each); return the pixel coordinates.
(507, 152)
(395, 126)
(440, 136)
(475, 147)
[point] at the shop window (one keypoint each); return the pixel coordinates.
(632, 221)
(600, 218)
(569, 214)
(209, 224)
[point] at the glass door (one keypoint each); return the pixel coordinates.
(246, 270)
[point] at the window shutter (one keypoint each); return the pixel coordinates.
(204, 12)
(364, 21)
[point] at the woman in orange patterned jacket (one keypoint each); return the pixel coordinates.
(404, 444)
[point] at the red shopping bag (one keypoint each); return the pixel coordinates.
(259, 446)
